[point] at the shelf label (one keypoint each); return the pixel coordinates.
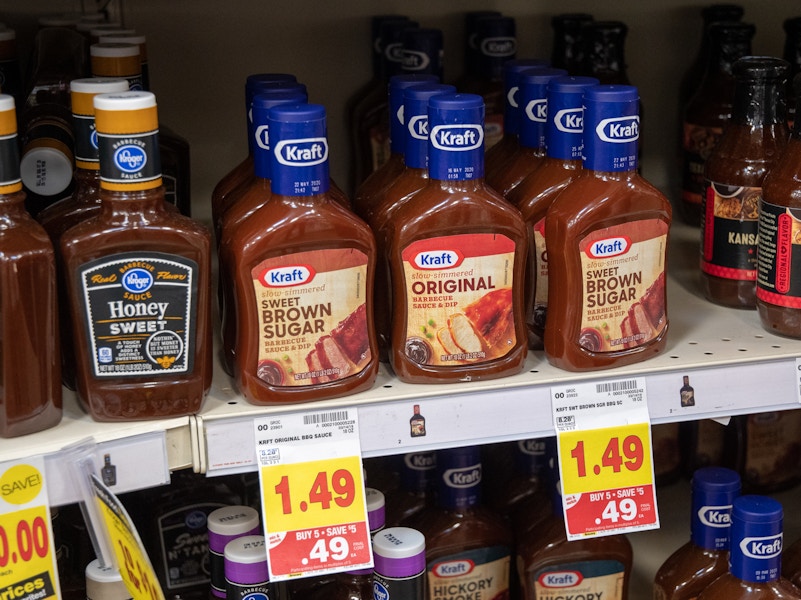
(605, 461)
(133, 563)
(27, 562)
(798, 379)
(312, 490)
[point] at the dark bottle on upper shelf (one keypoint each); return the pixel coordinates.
(10, 69)
(709, 109)
(604, 51)
(470, 71)
(567, 50)
(750, 146)
(792, 54)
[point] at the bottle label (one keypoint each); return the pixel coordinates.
(687, 396)
(472, 575)
(313, 315)
(129, 162)
(541, 279)
(379, 147)
(299, 166)
(399, 588)
(456, 151)
(779, 256)
(86, 151)
(596, 580)
(459, 294)
(771, 458)
(697, 144)
(623, 268)
(493, 130)
(10, 180)
(729, 222)
(140, 313)
(247, 591)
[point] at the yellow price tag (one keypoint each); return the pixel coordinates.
(603, 459)
(312, 494)
(135, 568)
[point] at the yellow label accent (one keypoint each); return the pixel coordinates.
(11, 188)
(131, 187)
(21, 484)
(8, 122)
(82, 103)
(121, 122)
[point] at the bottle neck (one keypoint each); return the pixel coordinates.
(725, 53)
(759, 103)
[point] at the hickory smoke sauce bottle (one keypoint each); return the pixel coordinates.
(606, 236)
(138, 280)
(303, 277)
(457, 256)
(704, 558)
(749, 147)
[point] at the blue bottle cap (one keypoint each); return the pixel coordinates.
(611, 128)
(299, 142)
(459, 477)
(391, 36)
(564, 132)
(713, 492)
(422, 51)
(397, 85)
(415, 111)
(260, 82)
(259, 139)
(756, 539)
(496, 43)
(533, 103)
(456, 137)
(511, 73)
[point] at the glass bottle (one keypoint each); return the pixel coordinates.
(471, 325)
(423, 52)
(567, 49)
(10, 70)
(704, 558)
(666, 450)
(564, 140)
(750, 146)
(412, 178)
(243, 201)
(84, 201)
(161, 264)
(755, 556)
(605, 216)
(471, 68)
(322, 344)
(416, 492)
(778, 274)
(694, 74)
(709, 109)
(792, 54)
(460, 530)
(369, 193)
(533, 118)
(604, 51)
(29, 358)
(46, 138)
(509, 144)
(400, 564)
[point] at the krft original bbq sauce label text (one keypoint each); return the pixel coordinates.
(624, 286)
(140, 313)
(312, 316)
(459, 297)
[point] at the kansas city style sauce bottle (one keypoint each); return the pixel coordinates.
(303, 277)
(30, 395)
(606, 238)
(749, 147)
(138, 280)
(704, 558)
(564, 140)
(457, 255)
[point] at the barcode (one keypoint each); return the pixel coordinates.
(329, 417)
(616, 386)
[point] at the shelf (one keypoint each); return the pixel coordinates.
(735, 366)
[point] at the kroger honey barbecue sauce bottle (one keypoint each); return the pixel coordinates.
(750, 146)
(606, 238)
(30, 371)
(461, 533)
(138, 280)
(756, 554)
(457, 255)
(704, 558)
(303, 277)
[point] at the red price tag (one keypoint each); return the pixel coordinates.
(314, 509)
(27, 563)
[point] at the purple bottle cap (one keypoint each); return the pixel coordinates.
(399, 552)
(246, 560)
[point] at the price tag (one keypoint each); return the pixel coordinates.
(312, 487)
(27, 562)
(132, 562)
(605, 462)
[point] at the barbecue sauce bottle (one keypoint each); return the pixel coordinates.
(756, 554)
(564, 140)
(567, 49)
(778, 253)
(749, 147)
(457, 253)
(303, 277)
(30, 371)
(140, 275)
(606, 237)
(704, 558)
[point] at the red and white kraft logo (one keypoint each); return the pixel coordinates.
(608, 247)
(287, 276)
(561, 579)
(454, 568)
